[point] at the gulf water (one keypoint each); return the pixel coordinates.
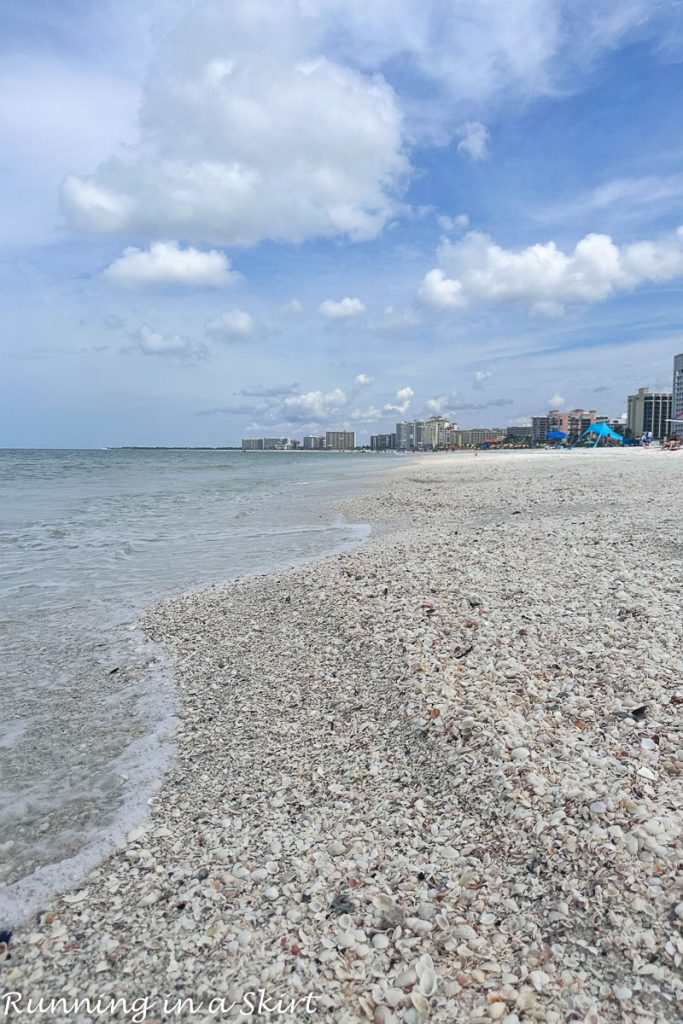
(88, 539)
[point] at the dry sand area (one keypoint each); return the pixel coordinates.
(435, 779)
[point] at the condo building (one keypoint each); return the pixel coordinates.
(649, 412)
(424, 435)
(252, 444)
(313, 442)
(677, 398)
(340, 440)
(383, 442)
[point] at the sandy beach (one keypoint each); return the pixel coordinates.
(437, 778)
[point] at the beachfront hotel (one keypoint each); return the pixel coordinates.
(340, 440)
(648, 412)
(677, 397)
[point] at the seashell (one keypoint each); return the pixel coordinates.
(428, 981)
(383, 1015)
(420, 1003)
(406, 979)
(497, 1010)
(380, 940)
(394, 997)
(423, 963)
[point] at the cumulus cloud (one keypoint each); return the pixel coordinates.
(312, 405)
(155, 343)
(235, 325)
(439, 404)
(167, 263)
(474, 140)
(362, 378)
(556, 401)
(369, 415)
(292, 308)
(276, 120)
(248, 131)
(402, 404)
(544, 277)
(342, 310)
(439, 292)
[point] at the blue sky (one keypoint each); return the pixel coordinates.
(243, 217)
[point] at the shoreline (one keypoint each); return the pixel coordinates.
(389, 788)
(152, 676)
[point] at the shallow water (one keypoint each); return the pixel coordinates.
(87, 540)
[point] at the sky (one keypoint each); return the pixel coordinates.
(231, 218)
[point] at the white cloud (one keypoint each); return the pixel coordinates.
(154, 343)
(439, 404)
(273, 120)
(556, 401)
(402, 404)
(292, 308)
(542, 276)
(474, 140)
(341, 310)
(312, 405)
(481, 376)
(362, 378)
(167, 263)
(235, 325)
(368, 415)
(248, 132)
(439, 292)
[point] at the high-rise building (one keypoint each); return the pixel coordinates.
(418, 435)
(275, 444)
(677, 398)
(313, 442)
(382, 442)
(252, 444)
(649, 412)
(539, 428)
(435, 432)
(340, 440)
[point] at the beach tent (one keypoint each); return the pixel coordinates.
(602, 430)
(556, 435)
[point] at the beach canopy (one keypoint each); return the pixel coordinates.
(602, 430)
(556, 435)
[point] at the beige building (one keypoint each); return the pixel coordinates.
(480, 435)
(340, 440)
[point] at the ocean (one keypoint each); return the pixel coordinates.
(88, 539)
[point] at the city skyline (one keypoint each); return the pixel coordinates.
(228, 217)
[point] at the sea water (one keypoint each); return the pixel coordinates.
(88, 539)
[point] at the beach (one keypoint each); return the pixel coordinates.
(434, 778)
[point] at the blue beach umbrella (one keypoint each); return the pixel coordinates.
(556, 435)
